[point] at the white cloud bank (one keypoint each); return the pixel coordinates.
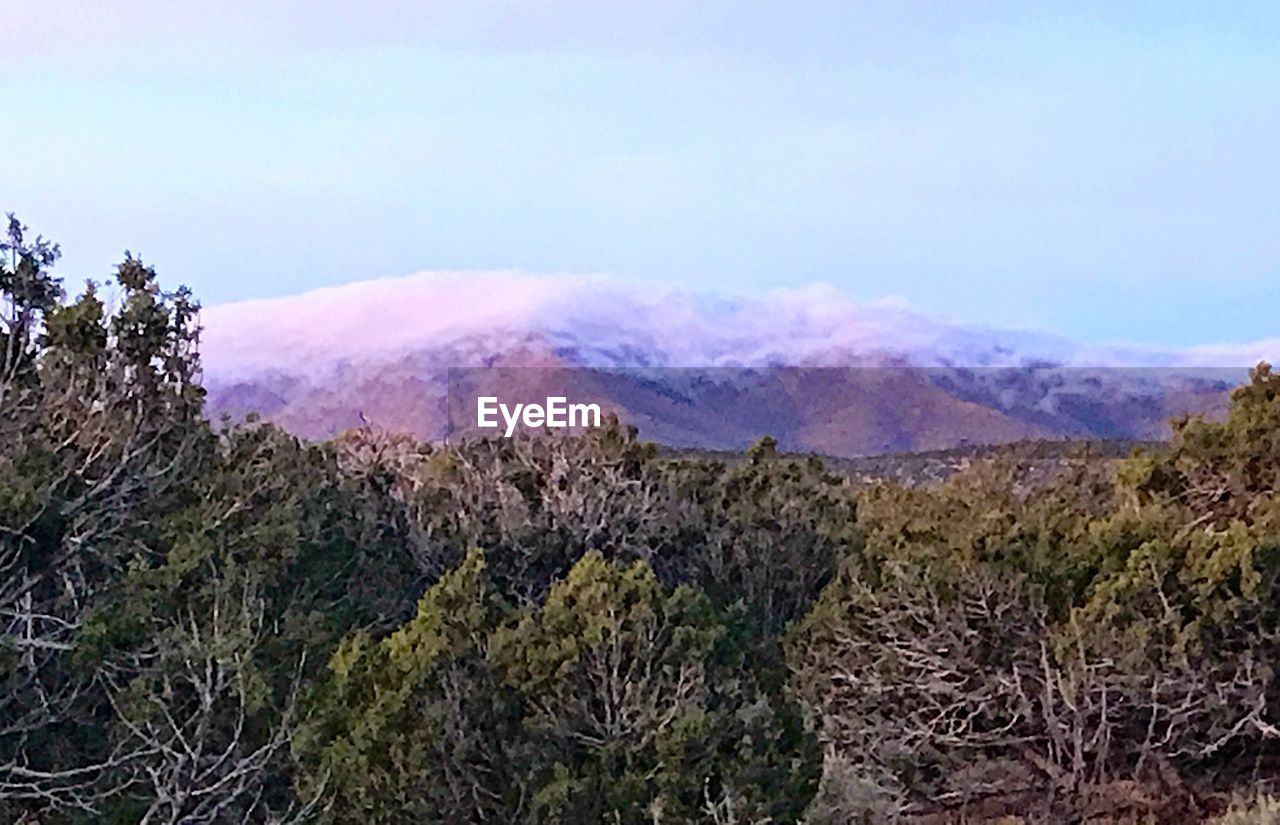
(605, 322)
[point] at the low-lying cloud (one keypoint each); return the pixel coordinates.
(601, 321)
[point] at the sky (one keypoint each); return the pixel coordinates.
(1102, 170)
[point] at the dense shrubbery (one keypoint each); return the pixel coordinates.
(213, 623)
(1102, 644)
(616, 700)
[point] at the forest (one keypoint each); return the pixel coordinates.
(215, 621)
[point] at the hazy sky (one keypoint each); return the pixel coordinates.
(1109, 172)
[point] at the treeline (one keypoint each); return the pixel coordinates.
(207, 622)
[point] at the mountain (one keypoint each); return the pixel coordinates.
(812, 367)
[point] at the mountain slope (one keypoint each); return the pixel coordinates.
(812, 367)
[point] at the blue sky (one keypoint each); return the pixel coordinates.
(1104, 170)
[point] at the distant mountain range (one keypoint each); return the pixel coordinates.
(811, 367)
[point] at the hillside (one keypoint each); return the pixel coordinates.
(818, 371)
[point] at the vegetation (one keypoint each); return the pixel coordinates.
(216, 622)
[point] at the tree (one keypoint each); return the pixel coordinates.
(641, 707)
(103, 432)
(415, 726)
(615, 700)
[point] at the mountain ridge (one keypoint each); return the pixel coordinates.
(381, 351)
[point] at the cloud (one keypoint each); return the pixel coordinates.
(599, 320)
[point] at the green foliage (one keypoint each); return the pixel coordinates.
(762, 535)
(1069, 637)
(415, 726)
(167, 589)
(616, 700)
(209, 624)
(641, 708)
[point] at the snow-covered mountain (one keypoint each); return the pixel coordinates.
(380, 350)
